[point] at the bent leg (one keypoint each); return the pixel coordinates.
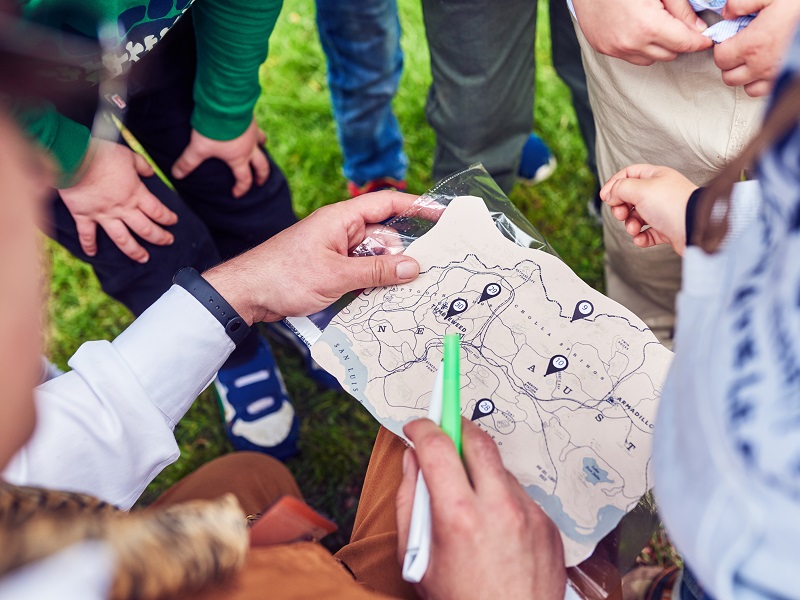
(372, 552)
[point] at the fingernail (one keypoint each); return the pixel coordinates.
(406, 458)
(407, 269)
(701, 25)
(144, 259)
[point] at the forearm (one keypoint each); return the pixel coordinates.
(105, 428)
(62, 138)
(232, 43)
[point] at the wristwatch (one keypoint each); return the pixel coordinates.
(190, 280)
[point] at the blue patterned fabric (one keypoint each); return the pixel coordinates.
(723, 30)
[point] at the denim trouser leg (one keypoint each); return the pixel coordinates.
(361, 39)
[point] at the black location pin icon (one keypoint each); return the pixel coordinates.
(583, 309)
(457, 306)
(557, 364)
(492, 290)
(483, 408)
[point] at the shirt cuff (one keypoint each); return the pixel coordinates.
(175, 349)
(691, 212)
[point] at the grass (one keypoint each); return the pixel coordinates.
(294, 109)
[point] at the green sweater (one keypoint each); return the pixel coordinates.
(232, 42)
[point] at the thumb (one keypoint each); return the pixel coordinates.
(681, 10)
(378, 271)
(143, 168)
(628, 191)
(187, 162)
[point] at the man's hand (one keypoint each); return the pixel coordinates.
(490, 540)
(641, 31)
(110, 194)
(650, 195)
(241, 154)
(753, 56)
(306, 267)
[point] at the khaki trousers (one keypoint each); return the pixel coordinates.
(679, 114)
(366, 568)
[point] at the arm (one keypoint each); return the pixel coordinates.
(105, 428)
(641, 32)
(232, 43)
(652, 201)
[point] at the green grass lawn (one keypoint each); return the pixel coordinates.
(294, 109)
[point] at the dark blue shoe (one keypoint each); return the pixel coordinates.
(258, 414)
(281, 333)
(537, 163)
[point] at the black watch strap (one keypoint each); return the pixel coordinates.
(190, 280)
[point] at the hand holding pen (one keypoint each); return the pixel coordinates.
(488, 538)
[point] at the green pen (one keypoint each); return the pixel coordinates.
(451, 389)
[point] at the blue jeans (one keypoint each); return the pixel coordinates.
(361, 39)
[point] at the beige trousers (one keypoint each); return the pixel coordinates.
(678, 114)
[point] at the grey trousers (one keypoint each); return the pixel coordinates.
(483, 64)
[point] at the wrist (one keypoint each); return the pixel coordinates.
(235, 321)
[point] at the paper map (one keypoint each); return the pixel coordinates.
(565, 380)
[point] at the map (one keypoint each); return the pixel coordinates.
(565, 380)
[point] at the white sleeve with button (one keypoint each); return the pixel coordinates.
(105, 428)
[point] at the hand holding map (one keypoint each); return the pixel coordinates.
(564, 379)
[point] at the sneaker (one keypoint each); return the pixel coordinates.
(537, 163)
(595, 208)
(281, 333)
(258, 414)
(376, 185)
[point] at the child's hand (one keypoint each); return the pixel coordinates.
(650, 195)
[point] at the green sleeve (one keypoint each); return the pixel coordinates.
(232, 42)
(64, 139)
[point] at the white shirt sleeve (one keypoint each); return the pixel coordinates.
(105, 428)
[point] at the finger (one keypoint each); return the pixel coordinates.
(375, 207)
(730, 54)
(143, 168)
(482, 459)
(261, 136)
(634, 224)
(187, 162)
(405, 500)
(123, 239)
(645, 239)
(155, 209)
(244, 179)
(87, 235)
(758, 88)
(674, 36)
(355, 273)
(656, 53)
(637, 171)
(629, 191)
(260, 166)
(621, 212)
(681, 10)
(437, 457)
(139, 224)
(740, 8)
(737, 76)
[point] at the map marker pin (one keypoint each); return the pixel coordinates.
(557, 364)
(483, 408)
(457, 306)
(583, 309)
(492, 290)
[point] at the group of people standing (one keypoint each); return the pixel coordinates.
(650, 84)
